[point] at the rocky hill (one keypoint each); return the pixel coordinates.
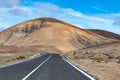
(51, 32)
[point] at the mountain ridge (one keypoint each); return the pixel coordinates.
(51, 32)
(106, 33)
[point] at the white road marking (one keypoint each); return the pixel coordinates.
(34, 56)
(36, 68)
(80, 70)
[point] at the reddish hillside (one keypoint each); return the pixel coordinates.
(106, 34)
(50, 32)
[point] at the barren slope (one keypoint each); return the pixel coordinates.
(102, 61)
(101, 53)
(106, 34)
(50, 32)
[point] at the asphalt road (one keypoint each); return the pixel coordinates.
(46, 67)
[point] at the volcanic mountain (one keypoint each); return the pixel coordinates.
(49, 32)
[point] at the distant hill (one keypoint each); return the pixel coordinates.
(106, 34)
(52, 32)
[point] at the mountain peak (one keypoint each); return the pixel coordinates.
(50, 32)
(47, 19)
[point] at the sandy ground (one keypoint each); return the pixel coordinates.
(101, 71)
(9, 58)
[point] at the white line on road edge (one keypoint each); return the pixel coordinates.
(36, 68)
(80, 70)
(34, 56)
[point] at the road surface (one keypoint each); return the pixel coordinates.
(46, 67)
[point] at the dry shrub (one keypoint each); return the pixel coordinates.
(99, 59)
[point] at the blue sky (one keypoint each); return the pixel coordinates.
(93, 14)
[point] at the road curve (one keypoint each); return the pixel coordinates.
(46, 67)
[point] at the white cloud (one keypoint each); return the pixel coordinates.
(103, 10)
(9, 3)
(117, 22)
(1, 28)
(112, 16)
(92, 22)
(77, 14)
(16, 14)
(13, 2)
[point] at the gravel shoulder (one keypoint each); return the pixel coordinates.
(101, 71)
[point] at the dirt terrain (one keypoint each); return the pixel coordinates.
(101, 61)
(101, 71)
